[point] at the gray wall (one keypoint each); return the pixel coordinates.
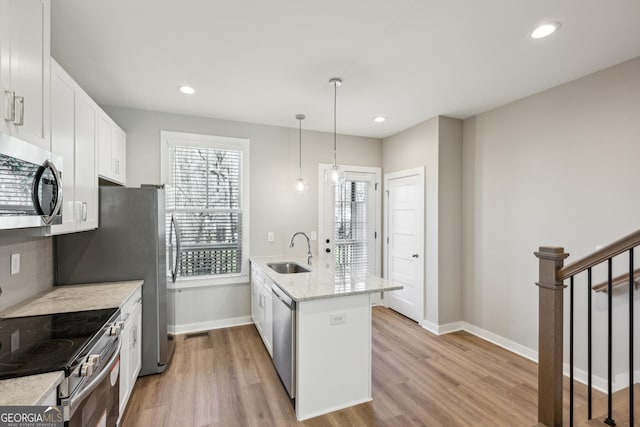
(274, 205)
(557, 168)
(36, 266)
(436, 145)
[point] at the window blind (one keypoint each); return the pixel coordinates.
(205, 199)
(351, 234)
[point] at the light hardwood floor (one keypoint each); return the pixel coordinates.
(225, 378)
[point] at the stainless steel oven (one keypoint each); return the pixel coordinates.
(30, 185)
(90, 395)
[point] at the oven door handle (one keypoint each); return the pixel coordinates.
(76, 400)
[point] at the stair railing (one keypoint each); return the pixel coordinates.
(552, 275)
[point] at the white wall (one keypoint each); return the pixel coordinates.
(557, 168)
(436, 145)
(274, 206)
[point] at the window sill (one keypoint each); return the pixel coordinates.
(206, 282)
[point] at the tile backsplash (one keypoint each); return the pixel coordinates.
(36, 267)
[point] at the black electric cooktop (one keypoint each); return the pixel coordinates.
(51, 342)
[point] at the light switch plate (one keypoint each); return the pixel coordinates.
(15, 264)
(314, 235)
(271, 237)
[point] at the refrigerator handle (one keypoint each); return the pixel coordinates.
(174, 263)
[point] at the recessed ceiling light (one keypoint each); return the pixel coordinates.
(379, 119)
(187, 90)
(545, 30)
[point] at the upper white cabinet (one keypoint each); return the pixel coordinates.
(24, 69)
(113, 150)
(74, 122)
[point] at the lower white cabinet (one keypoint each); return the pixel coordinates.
(261, 306)
(130, 352)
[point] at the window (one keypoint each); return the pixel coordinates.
(206, 200)
(352, 229)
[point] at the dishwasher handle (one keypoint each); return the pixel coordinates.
(279, 293)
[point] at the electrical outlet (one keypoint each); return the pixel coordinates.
(314, 235)
(15, 264)
(338, 318)
(271, 237)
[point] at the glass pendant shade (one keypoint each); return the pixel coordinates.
(335, 175)
(300, 185)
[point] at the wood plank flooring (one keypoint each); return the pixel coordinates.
(226, 378)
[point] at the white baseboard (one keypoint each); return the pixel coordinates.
(500, 341)
(599, 383)
(622, 381)
(188, 328)
(441, 329)
(579, 375)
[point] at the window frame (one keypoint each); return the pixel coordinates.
(170, 139)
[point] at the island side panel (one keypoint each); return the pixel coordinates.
(333, 360)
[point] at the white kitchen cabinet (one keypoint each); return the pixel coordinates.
(261, 307)
(112, 142)
(130, 352)
(267, 325)
(74, 118)
(24, 69)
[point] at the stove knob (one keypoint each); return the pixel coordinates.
(86, 369)
(114, 330)
(94, 359)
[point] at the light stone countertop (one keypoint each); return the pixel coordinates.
(32, 389)
(29, 390)
(62, 299)
(323, 281)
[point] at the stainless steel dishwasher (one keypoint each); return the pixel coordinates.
(284, 338)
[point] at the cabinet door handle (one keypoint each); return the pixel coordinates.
(9, 105)
(19, 100)
(84, 211)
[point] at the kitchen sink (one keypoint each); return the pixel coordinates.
(287, 267)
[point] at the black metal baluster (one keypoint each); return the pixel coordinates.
(571, 351)
(631, 283)
(609, 420)
(589, 359)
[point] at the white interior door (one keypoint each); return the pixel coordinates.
(404, 231)
(349, 221)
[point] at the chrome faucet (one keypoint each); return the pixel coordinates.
(309, 254)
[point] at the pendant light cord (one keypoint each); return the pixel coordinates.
(335, 95)
(300, 148)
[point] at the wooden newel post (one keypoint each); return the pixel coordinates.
(550, 341)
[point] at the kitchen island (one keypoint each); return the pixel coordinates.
(332, 332)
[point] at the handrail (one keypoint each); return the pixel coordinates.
(622, 279)
(616, 248)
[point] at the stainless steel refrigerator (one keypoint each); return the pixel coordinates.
(129, 244)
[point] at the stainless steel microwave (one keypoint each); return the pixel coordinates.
(30, 185)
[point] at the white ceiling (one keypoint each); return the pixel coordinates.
(265, 61)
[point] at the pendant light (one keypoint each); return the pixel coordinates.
(300, 185)
(335, 175)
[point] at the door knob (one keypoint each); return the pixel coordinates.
(414, 256)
